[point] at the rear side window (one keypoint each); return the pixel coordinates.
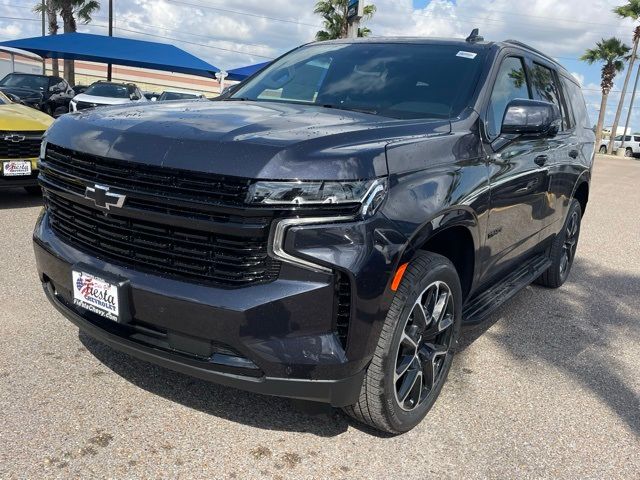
(511, 83)
(545, 87)
(574, 94)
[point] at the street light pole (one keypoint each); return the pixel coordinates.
(109, 66)
(43, 12)
(355, 11)
(633, 97)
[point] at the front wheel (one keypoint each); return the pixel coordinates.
(628, 152)
(415, 348)
(603, 149)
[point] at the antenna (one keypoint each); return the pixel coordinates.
(475, 36)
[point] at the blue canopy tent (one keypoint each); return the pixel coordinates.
(239, 74)
(116, 50)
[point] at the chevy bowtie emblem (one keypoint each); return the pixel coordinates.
(103, 198)
(14, 138)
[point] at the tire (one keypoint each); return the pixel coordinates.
(563, 249)
(628, 153)
(33, 190)
(416, 347)
(603, 149)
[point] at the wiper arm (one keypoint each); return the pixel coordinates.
(351, 109)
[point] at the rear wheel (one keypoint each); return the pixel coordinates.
(628, 152)
(563, 249)
(415, 348)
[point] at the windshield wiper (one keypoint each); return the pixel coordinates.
(351, 109)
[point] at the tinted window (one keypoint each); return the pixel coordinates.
(390, 79)
(176, 96)
(574, 93)
(511, 83)
(32, 82)
(4, 100)
(545, 87)
(108, 90)
(636, 138)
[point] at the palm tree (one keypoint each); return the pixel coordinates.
(335, 21)
(52, 22)
(612, 53)
(630, 10)
(69, 11)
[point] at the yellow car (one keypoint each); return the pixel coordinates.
(21, 130)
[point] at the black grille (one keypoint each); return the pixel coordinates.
(343, 314)
(159, 248)
(76, 169)
(20, 144)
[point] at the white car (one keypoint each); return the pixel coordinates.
(106, 93)
(631, 145)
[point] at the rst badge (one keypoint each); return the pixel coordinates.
(96, 295)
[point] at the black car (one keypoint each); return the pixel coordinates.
(324, 231)
(43, 92)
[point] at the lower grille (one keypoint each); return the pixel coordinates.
(343, 314)
(20, 144)
(157, 248)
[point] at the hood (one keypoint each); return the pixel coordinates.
(15, 117)
(83, 97)
(26, 94)
(267, 140)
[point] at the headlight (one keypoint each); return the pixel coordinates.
(43, 149)
(293, 193)
(73, 104)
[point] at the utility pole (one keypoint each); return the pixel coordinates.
(355, 12)
(633, 98)
(109, 66)
(44, 66)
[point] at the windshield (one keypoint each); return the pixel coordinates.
(32, 82)
(109, 90)
(398, 80)
(176, 96)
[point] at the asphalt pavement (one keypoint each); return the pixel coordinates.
(548, 388)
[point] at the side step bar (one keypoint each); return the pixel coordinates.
(479, 307)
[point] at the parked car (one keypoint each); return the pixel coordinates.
(103, 93)
(80, 89)
(631, 145)
(178, 95)
(21, 130)
(324, 231)
(153, 96)
(46, 93)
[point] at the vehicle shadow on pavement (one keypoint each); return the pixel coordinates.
(18, 198)
(261, 411)
(569, 329)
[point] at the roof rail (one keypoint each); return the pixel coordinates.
(534, 50)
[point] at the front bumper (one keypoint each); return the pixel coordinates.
(276, 338)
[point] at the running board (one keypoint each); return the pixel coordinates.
(482, 305)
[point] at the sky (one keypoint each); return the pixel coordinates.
(233, 33)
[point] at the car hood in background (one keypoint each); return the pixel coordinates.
(83, 97)
(15, 117)
(247, 139)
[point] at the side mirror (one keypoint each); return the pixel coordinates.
(532, 118)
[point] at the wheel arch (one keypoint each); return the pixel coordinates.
(453, 234)
(581, 192)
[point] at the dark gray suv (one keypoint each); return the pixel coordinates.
(323, 231)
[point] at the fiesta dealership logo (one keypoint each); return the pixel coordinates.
(96, 292)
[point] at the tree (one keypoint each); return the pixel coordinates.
(52, 22)
(611, 52)
(335, 21)
(630, 10)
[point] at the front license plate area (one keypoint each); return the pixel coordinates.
(100, 293)
(16, 168)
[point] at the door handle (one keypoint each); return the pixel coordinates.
(541, 160)
(574, 153)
